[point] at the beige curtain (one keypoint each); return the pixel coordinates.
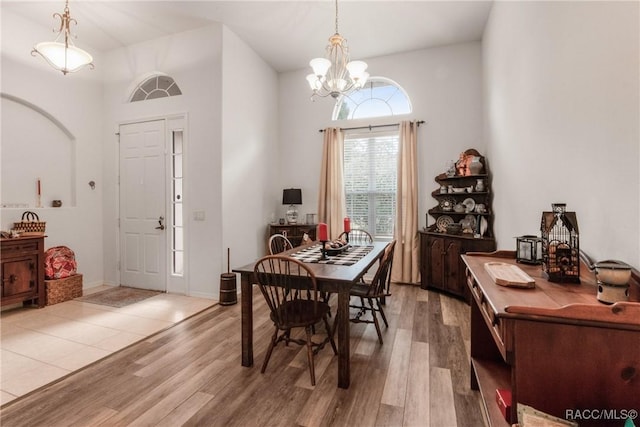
(405, 262)
(331, 200)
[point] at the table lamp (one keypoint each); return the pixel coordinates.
(292, 197)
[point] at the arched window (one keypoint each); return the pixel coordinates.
(157, 86)
(380, 97)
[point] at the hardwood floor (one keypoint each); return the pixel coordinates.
(191, 375)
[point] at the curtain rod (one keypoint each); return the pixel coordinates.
(419, 122)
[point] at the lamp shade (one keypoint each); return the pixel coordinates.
(292, 196)
(67, 59)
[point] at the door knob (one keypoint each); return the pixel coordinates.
(161, 225)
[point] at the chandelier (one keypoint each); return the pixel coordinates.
(65, 56)
(335, 75)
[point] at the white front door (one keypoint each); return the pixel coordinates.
(143, 235)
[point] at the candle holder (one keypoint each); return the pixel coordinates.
(323, 250)
(346, 236)
(529, 249)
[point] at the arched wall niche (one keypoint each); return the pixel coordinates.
(35, 145)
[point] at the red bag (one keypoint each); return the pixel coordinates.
(59, 262)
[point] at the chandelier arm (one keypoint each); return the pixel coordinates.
(57, 15)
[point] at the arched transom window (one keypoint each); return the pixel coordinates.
(156, 86)
(380, 97)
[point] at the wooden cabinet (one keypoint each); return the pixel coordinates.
(22, 270)
(293, 232)
(555, 346)
(463, 198)
(441, 266)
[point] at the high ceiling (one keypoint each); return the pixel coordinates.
(286, 34)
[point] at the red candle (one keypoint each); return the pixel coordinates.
(347, 225)
(322, 232)
(38, 186)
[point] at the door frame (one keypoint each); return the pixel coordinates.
(178, 121)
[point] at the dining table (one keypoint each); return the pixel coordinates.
(334, 274)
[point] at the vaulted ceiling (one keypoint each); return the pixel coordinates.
(286, 34)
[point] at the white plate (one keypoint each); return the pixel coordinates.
(469, 204)
(484, 224)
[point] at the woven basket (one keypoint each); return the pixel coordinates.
(30, 225)
(61, 290)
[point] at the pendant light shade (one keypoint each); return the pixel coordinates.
(64, 56)
(67, 59)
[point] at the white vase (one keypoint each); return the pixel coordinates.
(475, 166)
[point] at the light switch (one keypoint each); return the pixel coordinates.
(198, 215)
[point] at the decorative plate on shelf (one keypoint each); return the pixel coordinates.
(446, 204)
(442, 222)
(468, 224)
(469, 204)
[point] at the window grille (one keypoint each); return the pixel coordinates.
(370, 177)
(379, 98)
(156, 86)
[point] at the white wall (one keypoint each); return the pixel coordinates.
(562, 111)
(74, 101)
(445, 87)
(250, 160)
(198, 73)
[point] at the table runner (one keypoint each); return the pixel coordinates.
(312, 254)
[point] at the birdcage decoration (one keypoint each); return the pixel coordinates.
(560, 248)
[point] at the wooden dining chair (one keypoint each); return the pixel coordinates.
(374, 292)
(358, 237)
(279, 243)
(291, 292)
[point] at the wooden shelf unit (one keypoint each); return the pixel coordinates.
(441, 267)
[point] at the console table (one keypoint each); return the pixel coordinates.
(22, 270)
(555, 347)
(293, 232)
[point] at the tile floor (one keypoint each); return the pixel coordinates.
(38, 346)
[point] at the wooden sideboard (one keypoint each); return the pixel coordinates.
(440, 264)
(22, 261)
(293, 232)
(555, 347)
